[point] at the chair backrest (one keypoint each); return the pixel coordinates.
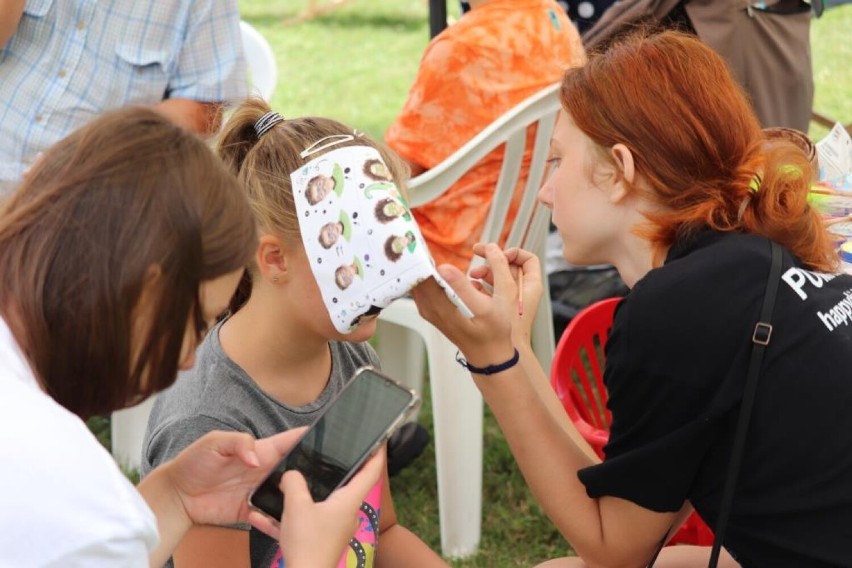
(263, 70)
(577, 371)
(529, 228)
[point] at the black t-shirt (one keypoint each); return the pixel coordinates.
(676, 364)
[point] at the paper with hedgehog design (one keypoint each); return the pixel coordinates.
(362, 241)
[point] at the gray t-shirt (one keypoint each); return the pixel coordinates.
(216, 394)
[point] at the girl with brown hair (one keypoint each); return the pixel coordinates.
(117, 251)
(659, 167)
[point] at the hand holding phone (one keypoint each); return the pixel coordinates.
(353, 426)
(316, 534)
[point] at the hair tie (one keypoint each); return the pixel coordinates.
(755, 183)
(266, 122)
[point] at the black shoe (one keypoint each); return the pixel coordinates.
(405, 445)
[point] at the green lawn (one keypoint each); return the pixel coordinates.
(832, 54)
(356, 65)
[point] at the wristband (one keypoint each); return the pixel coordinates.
(490, 369)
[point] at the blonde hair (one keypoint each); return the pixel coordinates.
(263, 166)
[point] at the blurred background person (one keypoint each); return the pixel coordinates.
(63, 63)
(493, 58)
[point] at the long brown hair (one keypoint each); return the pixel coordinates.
(126, 197)
(696, 142)
(263, 166)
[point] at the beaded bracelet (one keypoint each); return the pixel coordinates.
(490, 369)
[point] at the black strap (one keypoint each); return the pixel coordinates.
(490, 369)
(760, 338)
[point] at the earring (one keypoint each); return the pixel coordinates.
(275, 279)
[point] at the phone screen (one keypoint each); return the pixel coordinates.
(354, 424)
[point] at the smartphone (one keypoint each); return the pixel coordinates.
(354, 424)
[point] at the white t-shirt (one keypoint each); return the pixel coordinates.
(63, 500)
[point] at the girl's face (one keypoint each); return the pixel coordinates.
(214, 296)
(578, 190)
(306, 305)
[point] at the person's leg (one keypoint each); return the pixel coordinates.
(567, 562)
(680, 556)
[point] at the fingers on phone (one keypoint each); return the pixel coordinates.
(264, 524)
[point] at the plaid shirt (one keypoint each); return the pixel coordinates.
(69, 60)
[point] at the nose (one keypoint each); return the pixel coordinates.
(545, 195)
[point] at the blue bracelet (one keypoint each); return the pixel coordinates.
(490, 369)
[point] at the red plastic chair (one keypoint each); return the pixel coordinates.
(577, 377)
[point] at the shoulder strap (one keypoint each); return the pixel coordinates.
(760, 338)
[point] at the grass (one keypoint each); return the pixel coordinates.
(515, 532)
(832, 55)
(356, 64)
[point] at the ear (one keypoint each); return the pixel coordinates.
(271, 258)
(623, 158)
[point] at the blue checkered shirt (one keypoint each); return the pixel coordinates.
(69, 60)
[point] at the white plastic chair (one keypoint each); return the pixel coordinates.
(127, 432)
(263, 70)
(403, 334)
(128, 426)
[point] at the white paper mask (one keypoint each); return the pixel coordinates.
(363, 244)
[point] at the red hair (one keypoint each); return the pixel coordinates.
(696, 142)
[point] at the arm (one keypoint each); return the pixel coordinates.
(199, 117)
(398, 546)
(606, 531)
(212, 547)
(12, 11)
(208, 483)
(210, 67)
(521, 335)
(315, 534)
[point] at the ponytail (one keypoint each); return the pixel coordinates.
(238, 136)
